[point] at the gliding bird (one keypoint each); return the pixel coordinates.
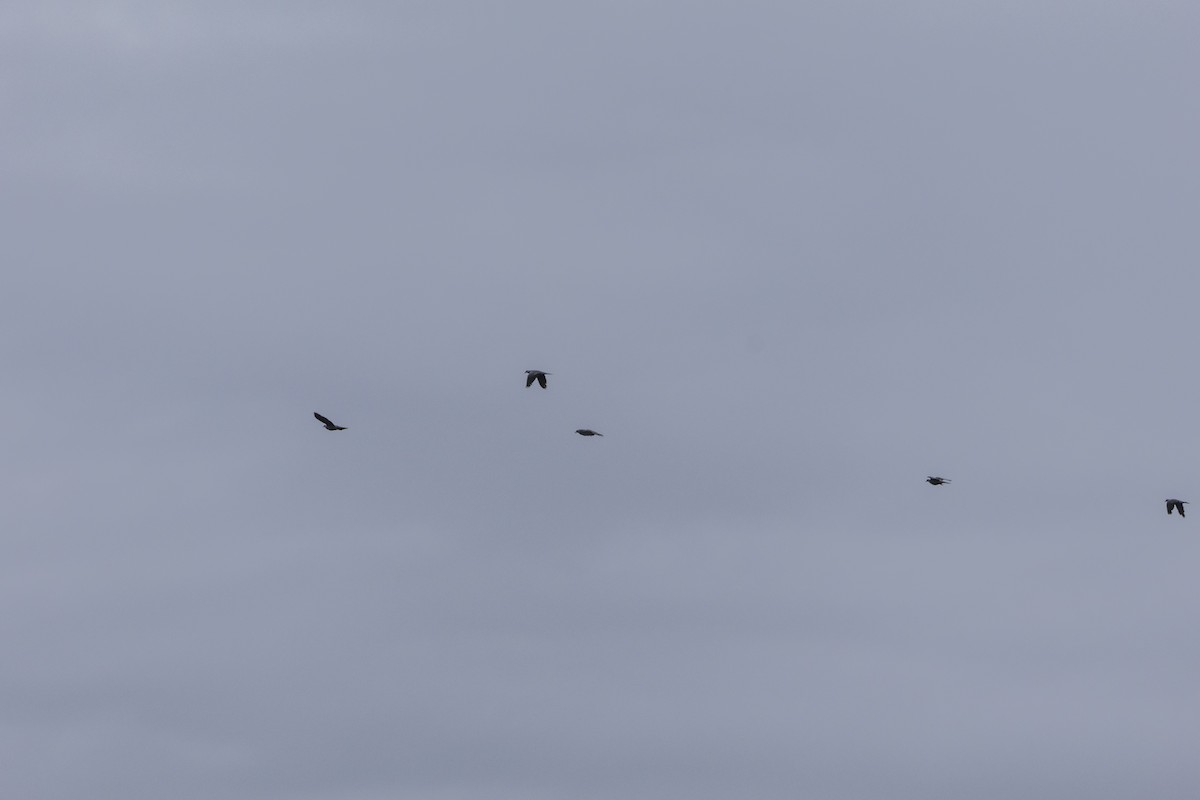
(329, 426)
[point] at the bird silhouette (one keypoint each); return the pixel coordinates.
(532, 375)
(936, 481)
(1176, 505)
(586, 432)
(329, 426)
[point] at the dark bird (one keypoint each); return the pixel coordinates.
(329, 426)
(532, 375)
(936, 481)
(586, 432)
(1176, 505)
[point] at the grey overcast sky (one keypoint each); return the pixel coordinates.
(789, 257)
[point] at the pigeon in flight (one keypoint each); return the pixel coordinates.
(936, 481)
(532, 375)
(329, 426)
(586, 432)
(1176, 505)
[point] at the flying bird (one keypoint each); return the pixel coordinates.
(936, 481)
(532, 375)
(586, 432)
(1176, 505)
(329, 426)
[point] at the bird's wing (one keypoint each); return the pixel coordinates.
(1170, 506)
(322, 420)
(529, 378)
(542, 380)
(1180, 507)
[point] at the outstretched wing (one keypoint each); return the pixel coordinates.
(324, 420)
(1180, 507)
(1170, 506)
(529, 380)
(542, 380)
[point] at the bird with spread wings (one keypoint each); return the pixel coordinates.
(329, 426)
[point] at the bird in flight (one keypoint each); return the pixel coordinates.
(936, 481)
(1176, 505)
(532, 375)
(586, 432)
(329, 426)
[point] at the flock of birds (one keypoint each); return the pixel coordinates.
(531, 375)
(538, 376)
(1172, 503)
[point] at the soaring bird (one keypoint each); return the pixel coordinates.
(329, 426)
(1176, 505)
(532, 375)
(586, 432)
(936, 481)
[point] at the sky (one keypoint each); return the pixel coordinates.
(790, 258)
